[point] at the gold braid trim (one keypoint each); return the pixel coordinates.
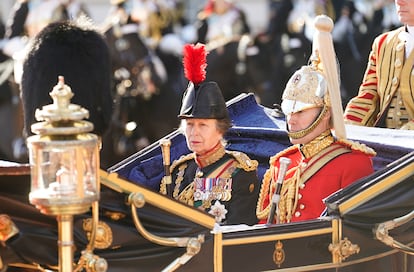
(244, 162)
(163, 187)
(187, 194)
(211, 157)
(261, 211)
(182, 159)
(317, 145)
(358, 146)
(288, 199)
(288, 196)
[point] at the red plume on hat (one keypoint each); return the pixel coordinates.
(195, 63)
(201, 99)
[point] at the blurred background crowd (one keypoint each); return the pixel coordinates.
(254, 46)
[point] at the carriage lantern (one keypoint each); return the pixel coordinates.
(64, 162)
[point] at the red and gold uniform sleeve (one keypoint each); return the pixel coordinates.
(268, 184)
(363, 109)
(380, 82)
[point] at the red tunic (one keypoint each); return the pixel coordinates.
(329, 178)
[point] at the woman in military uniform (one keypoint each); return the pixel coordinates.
(223, 183)
(321, 162)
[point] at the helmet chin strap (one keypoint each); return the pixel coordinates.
(302, 133)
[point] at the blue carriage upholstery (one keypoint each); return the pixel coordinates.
(259, 132)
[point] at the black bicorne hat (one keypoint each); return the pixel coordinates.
(201, 99)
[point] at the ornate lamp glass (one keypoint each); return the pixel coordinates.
(64, 157)
(64, 162)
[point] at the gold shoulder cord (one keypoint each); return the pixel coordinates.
(268, 184)
(182, 159)
(288, 195)
(288, 199)
(186, 195)
(261, 211)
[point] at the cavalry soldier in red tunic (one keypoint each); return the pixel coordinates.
(321, 162)
(219, 181)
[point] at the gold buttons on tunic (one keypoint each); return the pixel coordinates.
(386, 99)
(400, 46)
(302, 206)
(302, 186)
(297, 214)
(395, 81)
(199, 174)
(398, 63)
(299, 196)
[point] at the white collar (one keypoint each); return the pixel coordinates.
(407, 35)
(408, 38)
(410, 30)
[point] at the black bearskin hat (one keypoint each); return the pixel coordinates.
(201, 99)
(78, 52)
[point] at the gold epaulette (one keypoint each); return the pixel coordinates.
(287, 151)
(180, 160)
(244, 162)
(358, 146)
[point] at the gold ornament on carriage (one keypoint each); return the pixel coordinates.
(103, 234)
(279, 254)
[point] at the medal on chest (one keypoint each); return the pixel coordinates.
(208, 189)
